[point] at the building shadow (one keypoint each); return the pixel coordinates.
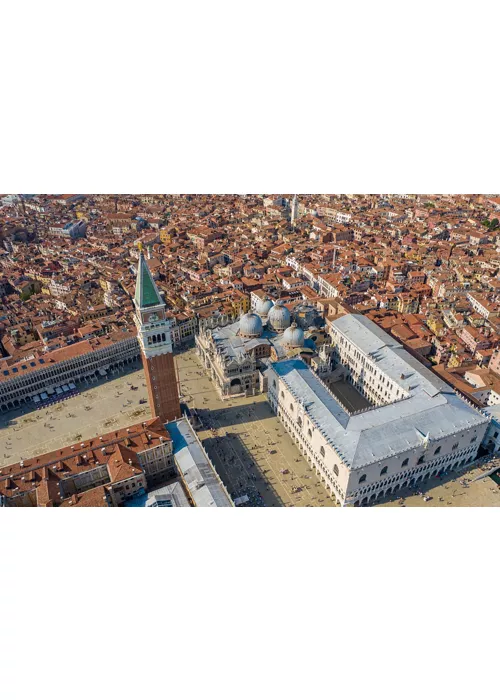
(240, 471)
(235, 415)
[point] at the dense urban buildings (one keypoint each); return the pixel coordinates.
(369, 304)
(114, 468)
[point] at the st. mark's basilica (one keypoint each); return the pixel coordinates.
(237, 354)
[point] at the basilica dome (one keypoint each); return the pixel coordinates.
(250, 326)
(264, 306)
(279, 318)
(294, 336)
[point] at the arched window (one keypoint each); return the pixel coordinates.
(291, 408)
(282, 394)
(421, 459)
(383, 471)
(309, 432)
(299, 422)
(437, 450)
(362, 478)
(322, 451)
(336, 470)
(274, 383)
(404, 463)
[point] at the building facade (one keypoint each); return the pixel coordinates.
(85, 361)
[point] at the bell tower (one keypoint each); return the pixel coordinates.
(155, 340)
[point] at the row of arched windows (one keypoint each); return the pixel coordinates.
(153, 339)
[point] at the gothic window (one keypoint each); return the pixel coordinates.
(309, 432)
(405, 462)
(362, 478)
(421, 459)
(336, 470)
(291, 408)
(437, 450)
(322, 451)
(383, 471)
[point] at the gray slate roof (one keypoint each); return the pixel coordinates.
(432, 408)
(202, 481)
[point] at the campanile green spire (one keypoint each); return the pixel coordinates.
(146, 291)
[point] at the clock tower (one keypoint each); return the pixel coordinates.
(155, 340)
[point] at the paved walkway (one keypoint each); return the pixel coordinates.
(103, 407)
(459, 491)
(250, 449)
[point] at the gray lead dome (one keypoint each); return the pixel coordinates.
(264, 307)
(294, 336)
(250, 326)
(279, 317)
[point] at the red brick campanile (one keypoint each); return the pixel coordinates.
(155, 339)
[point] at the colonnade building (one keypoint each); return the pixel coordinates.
(414, 427)
(85, 361)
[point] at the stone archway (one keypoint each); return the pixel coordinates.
(235, 386)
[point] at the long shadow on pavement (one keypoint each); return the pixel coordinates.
(237, 473)
(234, 415)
